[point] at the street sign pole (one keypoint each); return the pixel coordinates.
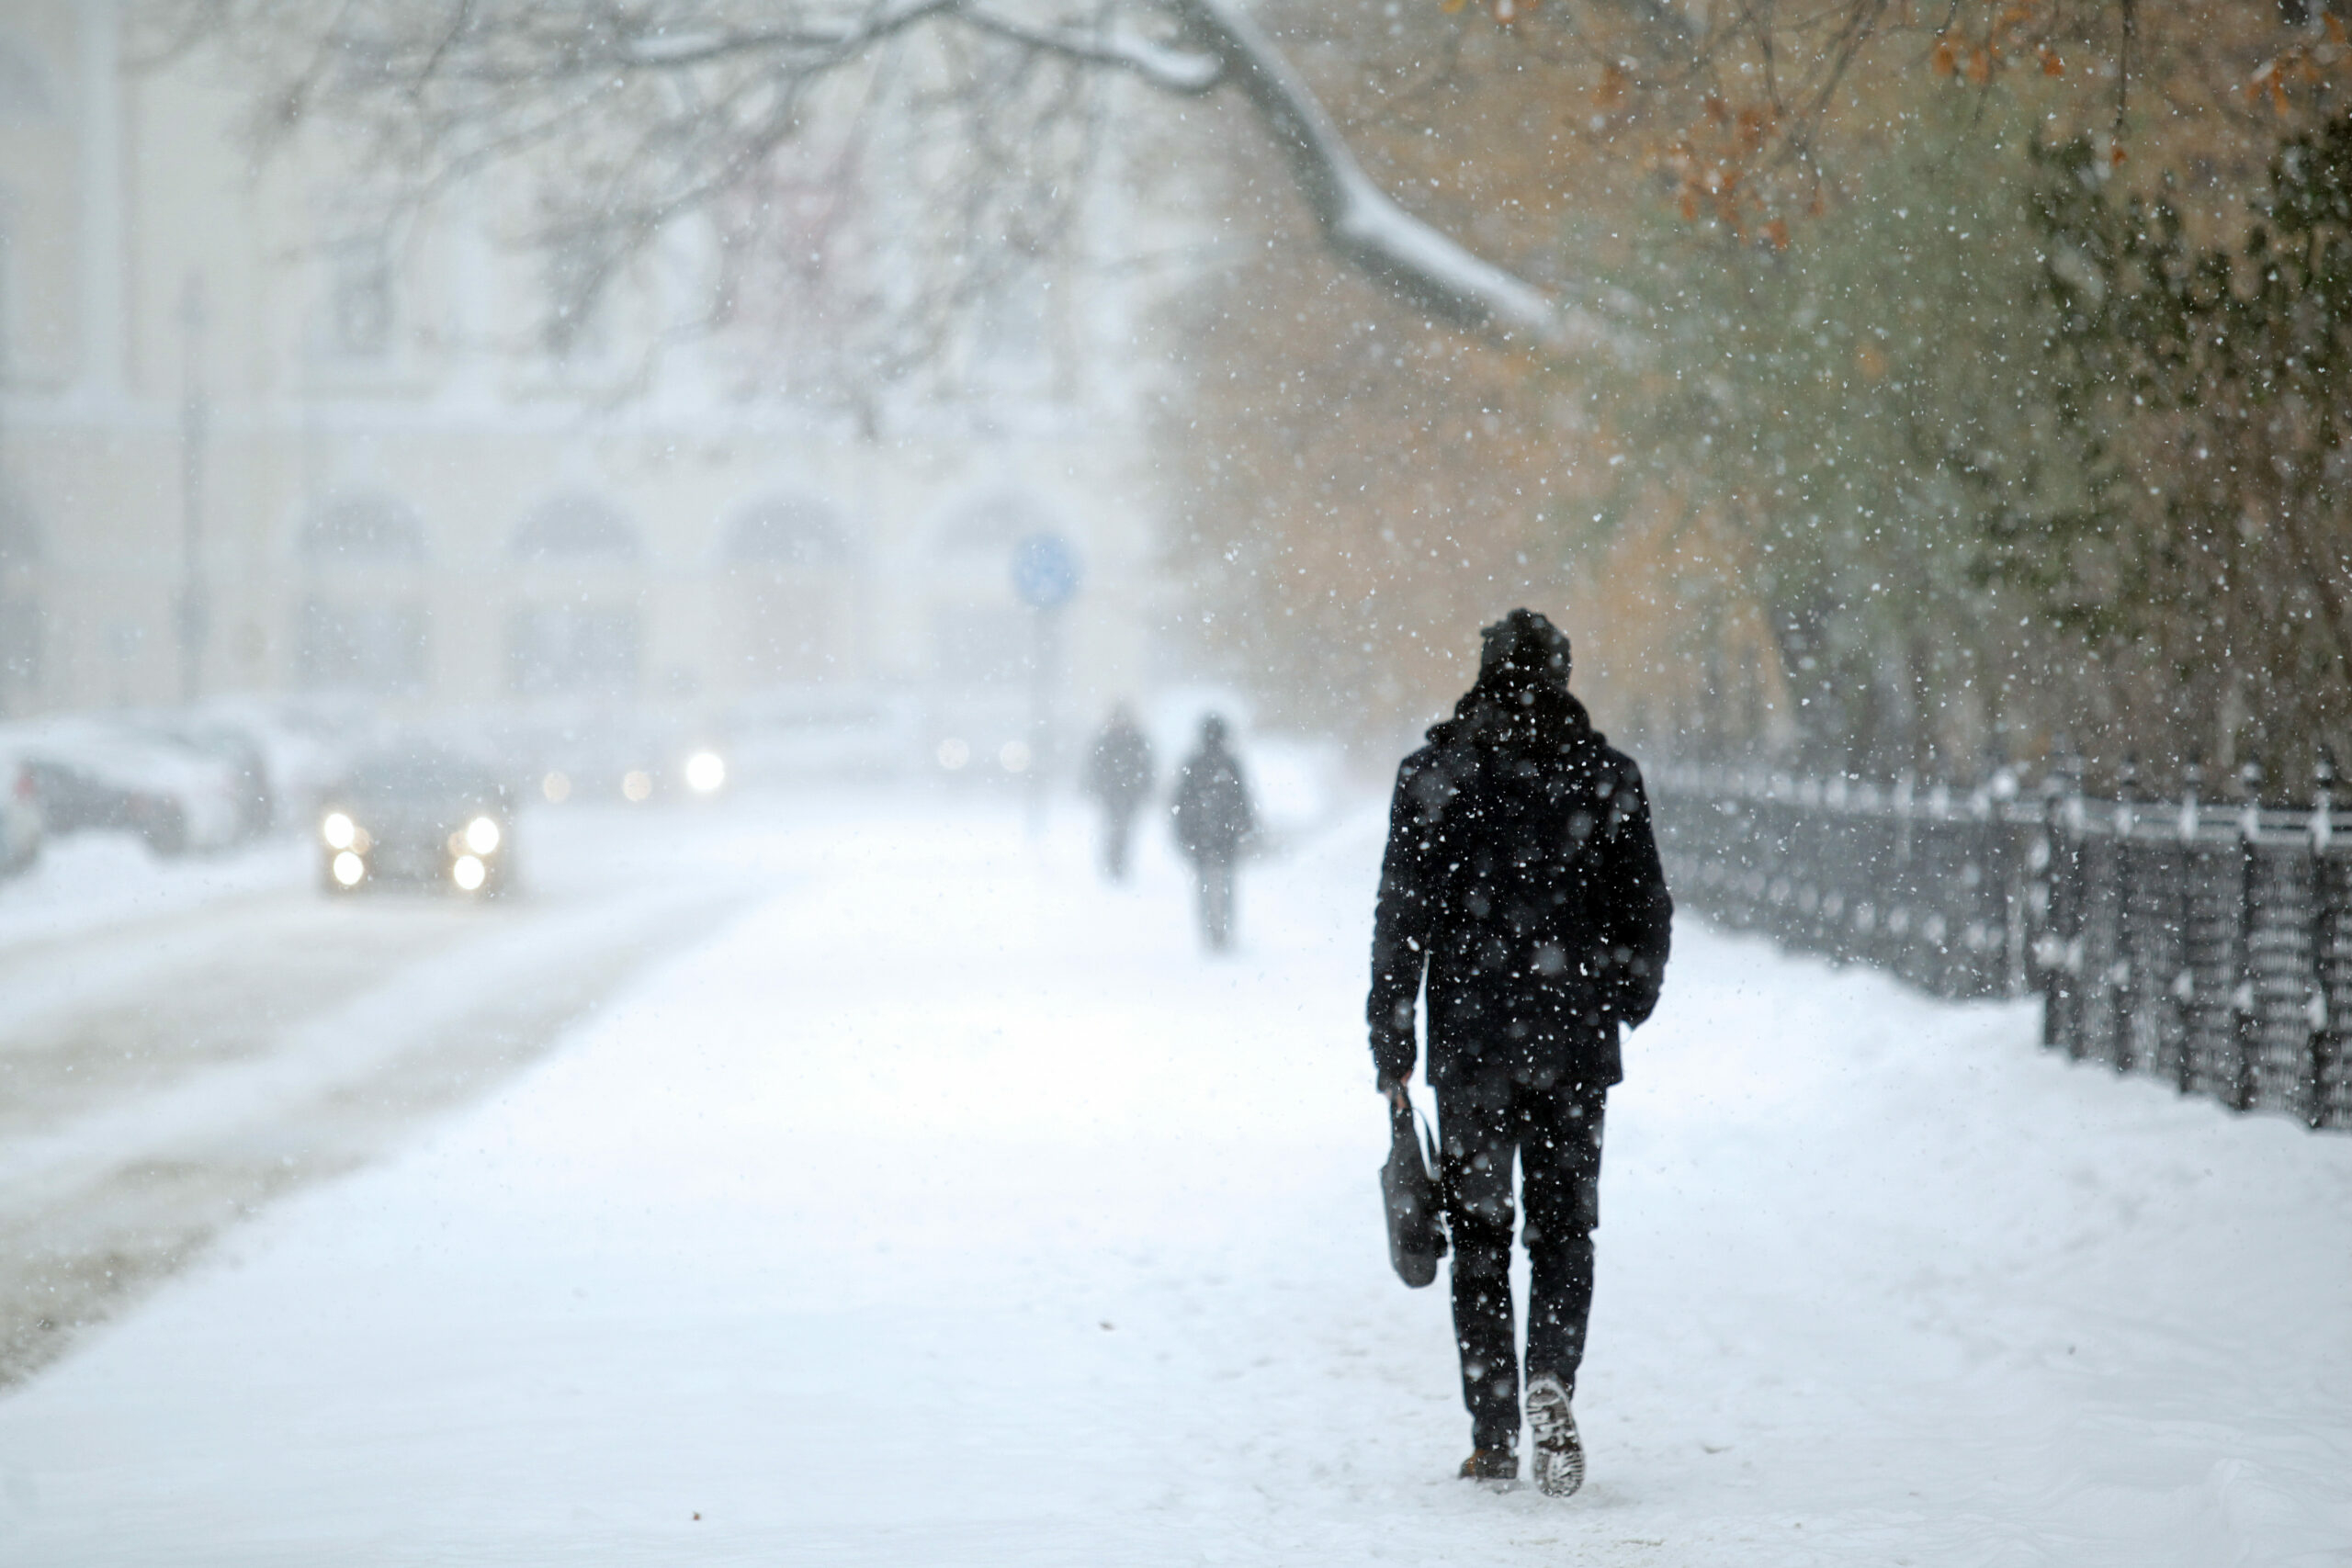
(1045, 622)
(1045, 576)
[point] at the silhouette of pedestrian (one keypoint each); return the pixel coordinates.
(1523, 883)
(1118, 775)
(1213, 820)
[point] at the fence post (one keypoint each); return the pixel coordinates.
(2122, 971)
(2184, 983)
(2243, 1000)
(2059, 954)
(2016, 914)
(2320, 1068)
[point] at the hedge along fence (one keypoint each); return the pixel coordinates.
(2206, 946)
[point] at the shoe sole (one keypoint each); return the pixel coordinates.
(1558, 1457)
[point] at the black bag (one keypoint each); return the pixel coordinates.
(1410, 1193)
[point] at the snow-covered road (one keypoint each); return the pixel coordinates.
(183, 1041)
(948, 1209)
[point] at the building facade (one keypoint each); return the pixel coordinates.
(251, 440)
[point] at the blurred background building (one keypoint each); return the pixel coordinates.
(257, 437)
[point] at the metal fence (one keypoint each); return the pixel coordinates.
(2206, 946)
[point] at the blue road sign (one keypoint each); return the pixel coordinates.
(1044, 571)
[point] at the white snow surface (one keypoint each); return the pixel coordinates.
(88, 881)
(950, 1209)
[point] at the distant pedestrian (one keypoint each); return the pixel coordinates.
(1118, 775)
(1522, 875)
(1213, 822)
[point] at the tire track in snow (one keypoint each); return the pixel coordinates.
(98, 1208)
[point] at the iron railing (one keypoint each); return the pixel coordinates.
(2206, 946)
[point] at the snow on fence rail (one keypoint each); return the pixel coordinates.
(2209, 946)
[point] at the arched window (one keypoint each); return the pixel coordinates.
(786, 531)
(365, 526)
(575, 526)
(585, 646)
(573, 649)
(370, 639)
(792, 593)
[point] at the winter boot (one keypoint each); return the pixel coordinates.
(1491, 1464)
(1559, 1456)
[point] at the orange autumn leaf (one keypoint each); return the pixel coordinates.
(1944, 57)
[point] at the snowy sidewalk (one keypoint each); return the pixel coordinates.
(949, 1210)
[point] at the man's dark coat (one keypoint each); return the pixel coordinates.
(1523, 874)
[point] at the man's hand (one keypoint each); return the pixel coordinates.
(1395, 1090)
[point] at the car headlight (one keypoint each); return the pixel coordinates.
(339, 830)
(349, 869)
(469, 873)
(481, 835)
(705, 772)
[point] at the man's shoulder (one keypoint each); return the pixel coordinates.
(1619, 765)
(1428, 776)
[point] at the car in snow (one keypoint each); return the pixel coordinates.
(96, 774)
(421, 812)
(234, 749)
(617, 757)
(293, 750)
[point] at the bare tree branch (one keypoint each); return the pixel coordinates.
(1170, 70)
(654, 110)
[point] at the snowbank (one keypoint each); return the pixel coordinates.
(84, 881)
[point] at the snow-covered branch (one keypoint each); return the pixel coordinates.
(680, 99)
(1171, 70)
(1361, 221)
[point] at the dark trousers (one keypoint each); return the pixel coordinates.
(1118, 827)
(1215, 876)
(1556, 1133)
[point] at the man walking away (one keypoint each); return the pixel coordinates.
(1213, 820)
(1118, 775)
(1522, 877)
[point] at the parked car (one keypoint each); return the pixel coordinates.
(234, 749)
(302, 746)
(421, 813)
(92, 773)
